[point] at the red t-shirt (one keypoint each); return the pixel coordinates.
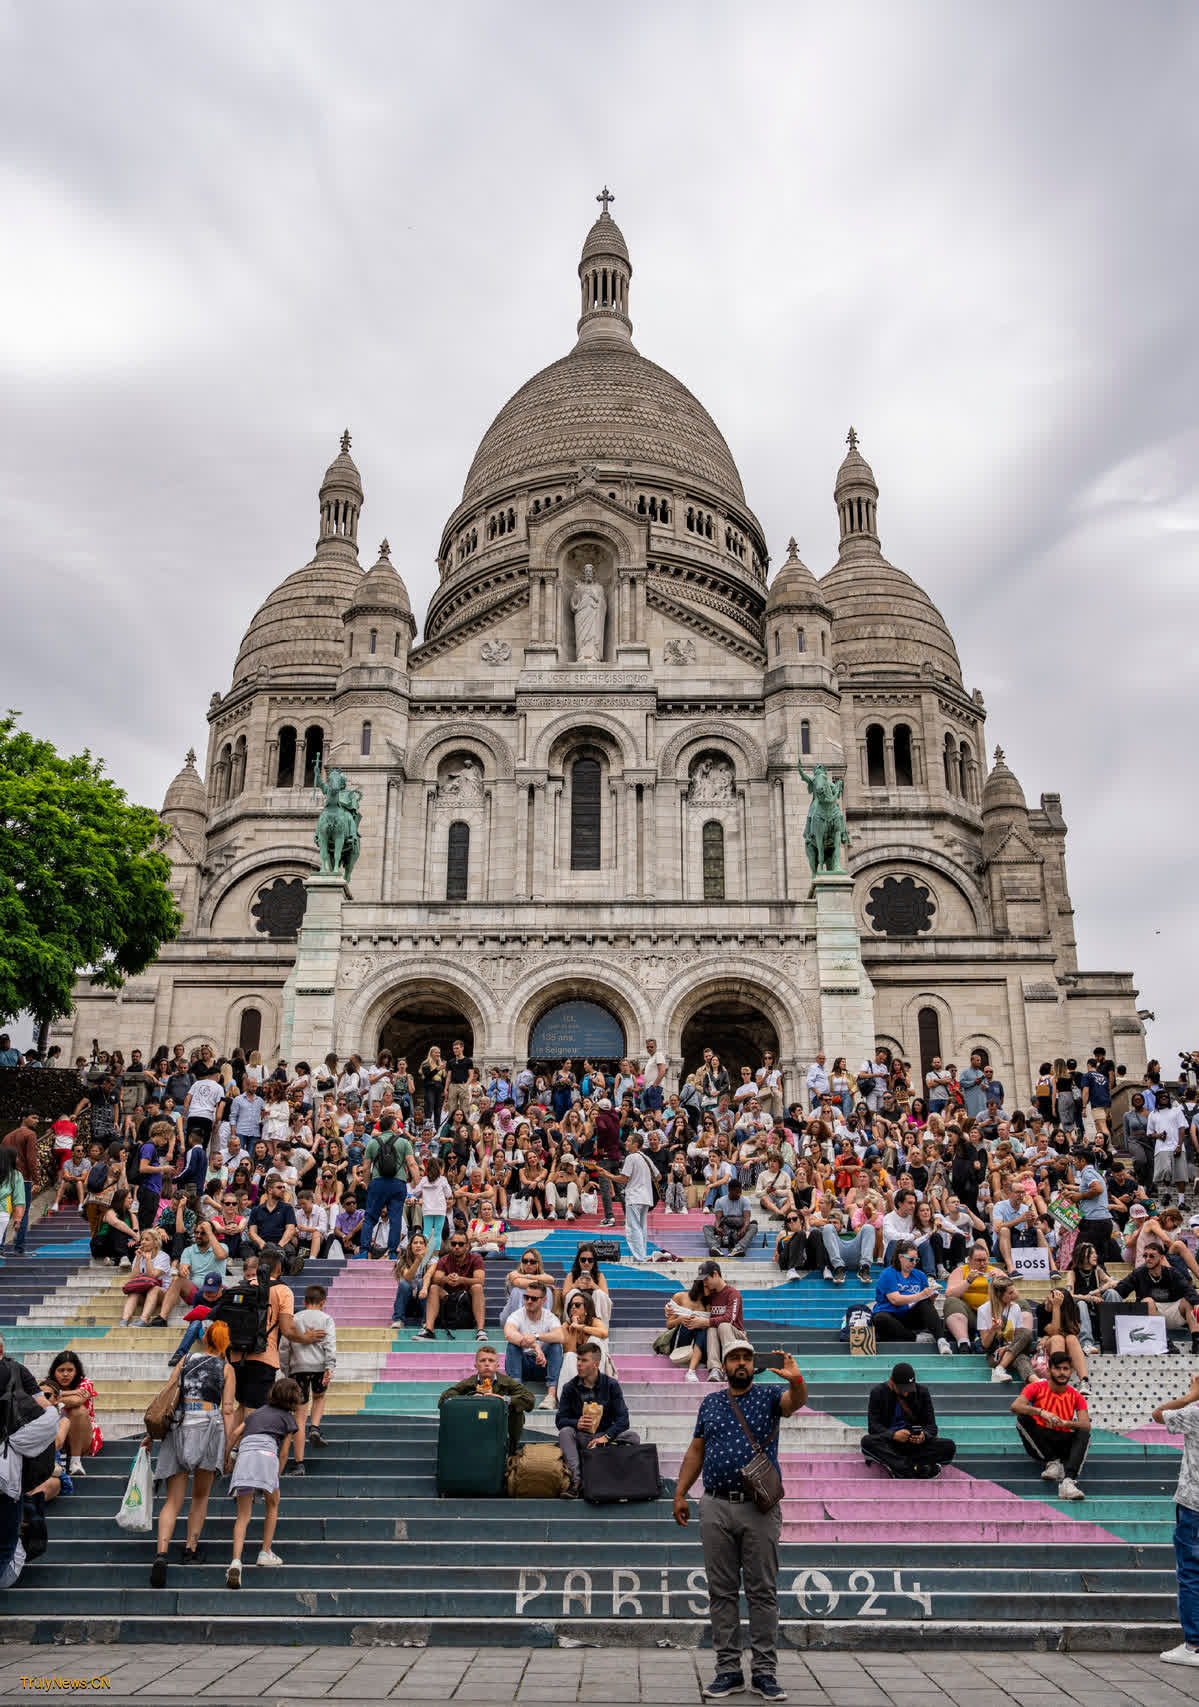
(468, 1265)
(725, 1306)
(1065, 1404)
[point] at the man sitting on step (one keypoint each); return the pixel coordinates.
(1053, 1423)
(901, 1428)
(734, 1229)
(488, 1380)
(591, 1412)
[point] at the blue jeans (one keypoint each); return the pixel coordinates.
(391, 1192)
(1186, 1553)
(636, 1216)
(404, 1291)
(521, 1365)
(850, 1249)
(192, 1334)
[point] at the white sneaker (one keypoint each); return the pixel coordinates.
(1181, 1656)
(1054, 1471)
(570, 1214)
(691, 1376)
(1070, 1490)
(998, 1374)
(267, 1557)
(548, 1404)
(715, 1375)
(944, 1347)
(828, 1273)
(233, 1575)
(75, 1467)
(793, 1274)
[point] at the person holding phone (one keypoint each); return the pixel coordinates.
(901, 1428)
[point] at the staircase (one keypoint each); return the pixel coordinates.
(984, 1556)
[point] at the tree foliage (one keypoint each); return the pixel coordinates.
(84, 881)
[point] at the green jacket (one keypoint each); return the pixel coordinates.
(502, 1385)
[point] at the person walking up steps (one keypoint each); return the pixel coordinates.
(265, 1438)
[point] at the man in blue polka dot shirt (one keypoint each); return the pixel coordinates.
(741, 1543)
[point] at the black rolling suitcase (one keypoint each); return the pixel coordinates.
(472, 1446)
(620, 1471)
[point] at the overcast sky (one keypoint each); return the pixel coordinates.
(232, 230)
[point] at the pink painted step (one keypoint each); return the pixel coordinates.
(1153, 1434)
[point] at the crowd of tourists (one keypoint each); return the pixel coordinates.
(200, 1177)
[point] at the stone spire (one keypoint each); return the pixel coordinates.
(856, 496)
(341, 504)
(604, 274)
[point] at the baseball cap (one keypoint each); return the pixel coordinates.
(211, 1284)
(1138, 1212)
(737, 1345)
(709, 1267)
(903, 1378)
(1193, 1223)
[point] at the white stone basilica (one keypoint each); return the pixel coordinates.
(582, 821)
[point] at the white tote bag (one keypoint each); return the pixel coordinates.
(1143, 1335)
(136, 1510)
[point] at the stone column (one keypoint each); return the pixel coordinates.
(846, 993)
(312, 995)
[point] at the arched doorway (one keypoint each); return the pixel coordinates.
(735, 1030)
(577, 1030)
(430, 1018)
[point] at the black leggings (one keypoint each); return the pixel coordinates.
(950, 1248)
(922, 1318)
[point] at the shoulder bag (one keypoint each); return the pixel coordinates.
(762, 1480)
(160, 1413)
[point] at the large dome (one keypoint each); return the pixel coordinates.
(882, 621)
(602, 403)
(297, 631)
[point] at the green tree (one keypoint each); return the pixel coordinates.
(84, 883)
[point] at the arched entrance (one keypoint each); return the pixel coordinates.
(431, 1018)
(735, 1030)
(577, 1030)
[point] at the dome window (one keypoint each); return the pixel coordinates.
(285, 765)
(249, 1034)
(585, 785)
(366, 740)
(876, 762)
(799, 640)
(374, 639)
(314, 746)
(805, 737)
(903, 756)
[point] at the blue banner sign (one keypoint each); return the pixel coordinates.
(576, 1030)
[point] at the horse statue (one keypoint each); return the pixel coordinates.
(337, 827)
(824, 833)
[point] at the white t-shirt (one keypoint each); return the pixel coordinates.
(640, 1176)
(545, 1324)
(205, 1095)
(1167, 1126)
(769, 1077)
(653, 1064)
(897, 1227)
(743, 1091)
(1013, 1319)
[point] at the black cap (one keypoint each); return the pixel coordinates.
(709, 1267)
(903, 1378)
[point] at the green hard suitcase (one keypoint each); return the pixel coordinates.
(472, 1446)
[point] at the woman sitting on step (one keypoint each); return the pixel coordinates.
(585, 1277)
(80, 1437)
(148, 1280)
(1005, 1328)
(117, 1233)
(581, 1326)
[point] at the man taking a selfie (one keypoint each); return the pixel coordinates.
(741, 1541)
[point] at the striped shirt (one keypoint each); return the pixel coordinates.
(1065, 1404)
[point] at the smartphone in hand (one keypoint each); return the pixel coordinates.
(768, 1360)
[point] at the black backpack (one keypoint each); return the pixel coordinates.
(387, 1163)
(245, 1311)
(17, 1407)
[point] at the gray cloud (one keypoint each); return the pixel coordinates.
(233, 231)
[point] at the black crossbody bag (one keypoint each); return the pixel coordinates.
(762, 1480)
